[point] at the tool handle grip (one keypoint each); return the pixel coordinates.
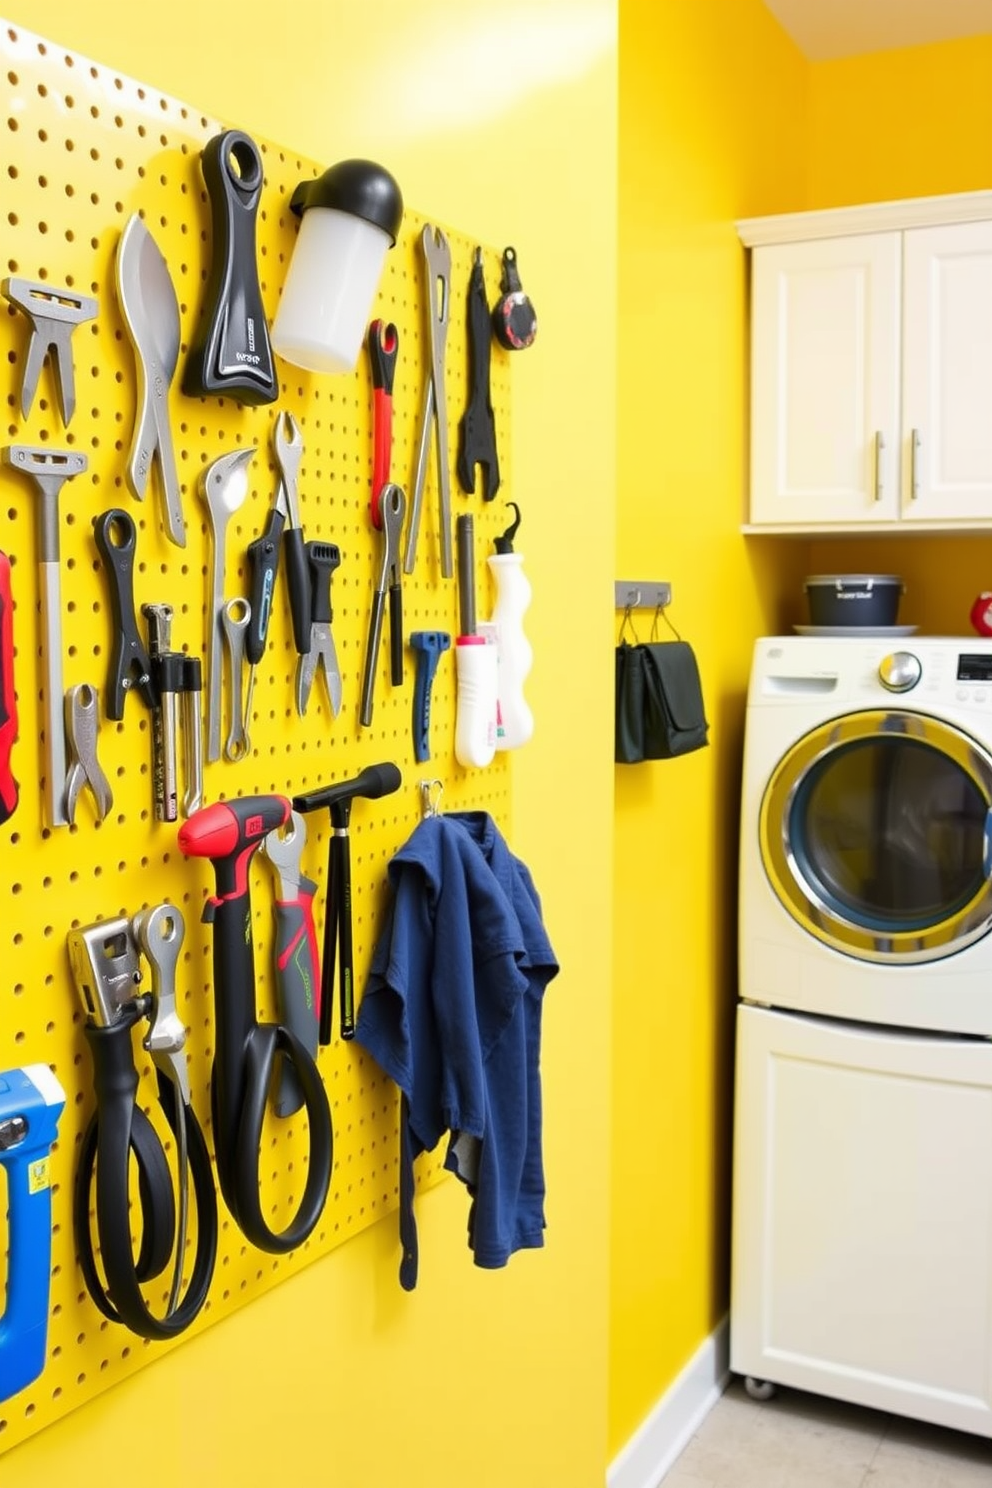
(119, 1131)
(25, 1319)
(231, 354)
(428, 644)
(298, 579)
(396, 635)
(8, 700)
(298, 984)
(263, 564)
(339, 891)
(323, 558)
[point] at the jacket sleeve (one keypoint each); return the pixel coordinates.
(396, 1019)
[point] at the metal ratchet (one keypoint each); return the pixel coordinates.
(392, 510)
(82, 725)
(236, 618)
(437, 262)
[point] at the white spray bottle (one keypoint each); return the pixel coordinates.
(515, 721)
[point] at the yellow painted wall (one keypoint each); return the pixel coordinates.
(712, 127)
(913, 122)
(483, 1378)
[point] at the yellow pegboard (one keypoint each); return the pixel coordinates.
(84, 149)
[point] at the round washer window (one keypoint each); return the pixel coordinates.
(874, 834)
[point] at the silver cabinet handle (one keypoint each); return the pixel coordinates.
(879, 447)
(914, 465)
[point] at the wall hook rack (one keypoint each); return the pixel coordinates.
(641, 595)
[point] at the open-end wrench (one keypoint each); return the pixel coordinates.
(297, 959)
(287, 444)
(48, 469)
(223, 486)
(53, 314)
(437, 263)
(236, 618)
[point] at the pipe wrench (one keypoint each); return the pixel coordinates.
(296, 955)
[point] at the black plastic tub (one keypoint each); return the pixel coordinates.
(853, 599)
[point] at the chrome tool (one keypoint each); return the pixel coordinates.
(151, 315)
(53, 313)
(82, 726)
(49, 469)
(392, 509)
(437, 264)
(235, 618)
(223, 486)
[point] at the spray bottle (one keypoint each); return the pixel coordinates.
(515, 721)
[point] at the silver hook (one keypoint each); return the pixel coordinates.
(431, 792)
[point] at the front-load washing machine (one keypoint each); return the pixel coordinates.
(862, 1208)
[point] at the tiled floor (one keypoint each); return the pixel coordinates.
(805, 1441)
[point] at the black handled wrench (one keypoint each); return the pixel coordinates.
(49, 469)
(130, 664)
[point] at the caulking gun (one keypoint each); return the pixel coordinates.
(31, 1102)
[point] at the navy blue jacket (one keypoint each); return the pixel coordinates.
(452, 1013)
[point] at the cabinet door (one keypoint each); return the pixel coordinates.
(947, 372)
(825, 381)
(862, 1226)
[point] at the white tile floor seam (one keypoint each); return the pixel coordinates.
(797, 1440)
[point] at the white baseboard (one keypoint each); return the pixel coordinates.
(665, 1433)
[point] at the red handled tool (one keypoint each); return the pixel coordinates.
(8, 701)
(228, 833)
(383, 345)
(296, 956)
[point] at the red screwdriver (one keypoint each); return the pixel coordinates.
(8, 702)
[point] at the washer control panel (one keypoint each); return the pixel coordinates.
(899, 671)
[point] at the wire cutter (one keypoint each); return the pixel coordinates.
(392, 509)
(82, 723)
(323, 559)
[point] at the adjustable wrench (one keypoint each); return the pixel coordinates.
(437, 263)
(297, 959)
(49, 469)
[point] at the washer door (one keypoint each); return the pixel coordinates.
(876, 835)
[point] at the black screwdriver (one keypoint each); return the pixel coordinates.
(263, 565)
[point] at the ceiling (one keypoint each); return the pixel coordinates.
(824, 29)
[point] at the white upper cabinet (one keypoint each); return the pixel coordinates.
(947, 373)
(871, 367)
